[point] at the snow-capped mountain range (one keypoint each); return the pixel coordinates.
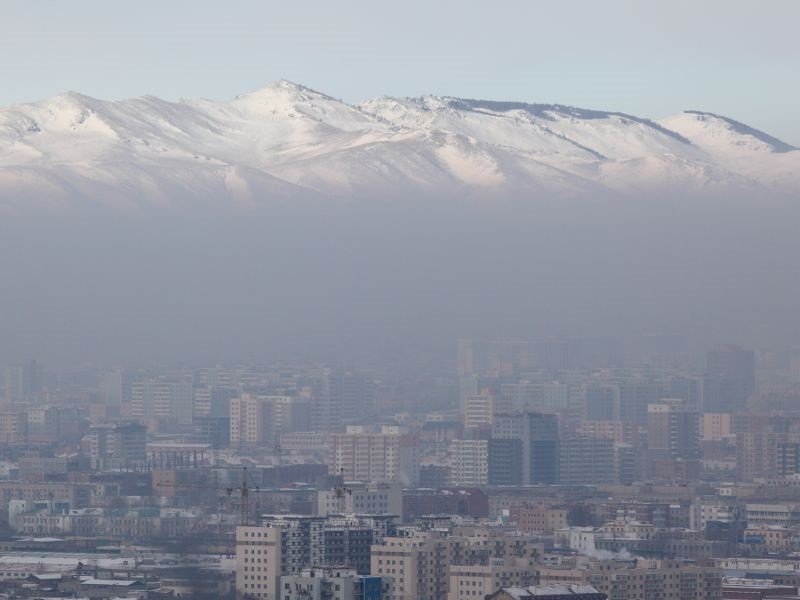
(286, 139)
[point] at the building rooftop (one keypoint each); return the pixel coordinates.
(549, 590)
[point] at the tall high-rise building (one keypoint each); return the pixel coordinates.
(467, 386)
(359, 455)
(586, 460)
(482, 357)
(221, 397)
(686, 388)
(766, 454)
(673, 426)
(539, 439)
(120, 445)
(715, 426)
(116, 387)
(542, 448)
(729, 380)
(23, 382)
(602, 403)
(619, 432)
(479, 410)
(635, 395)
(260, 420)
(13, 427)
(258, 562)
(341, 398)
(516, 398)
(163, 400)
(250, 420)
(465, 361)
(469, 462)
(527, 396)
(794, 365)
(201, 402)
(505, 461)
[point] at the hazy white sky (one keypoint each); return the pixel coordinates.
(735, 57)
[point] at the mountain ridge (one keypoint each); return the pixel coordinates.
(286, 139)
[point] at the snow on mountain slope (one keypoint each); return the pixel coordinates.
(740, 148)
(541, 128)
(287, 140)
(718, 134)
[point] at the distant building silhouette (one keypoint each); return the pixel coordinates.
(729, 379)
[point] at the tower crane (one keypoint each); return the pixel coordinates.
(246, 485)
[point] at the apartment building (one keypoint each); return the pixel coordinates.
(258, 562)
(426, 564)
(333, 583)
(260, 420)
(475, 582)
(119, 445)
(13, 427)
(478, 410)
(641, 579)
(289, 544)
(586, 460)
(469, 462)
(539, 519)
(363, 499)
(619, 431)
(418, 565)
(359, 455)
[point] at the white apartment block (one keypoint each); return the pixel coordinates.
(469, 462)
(372, 457)
(479, 410)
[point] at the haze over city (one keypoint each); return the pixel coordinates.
(420, 301)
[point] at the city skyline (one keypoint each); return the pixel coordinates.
(413, 301)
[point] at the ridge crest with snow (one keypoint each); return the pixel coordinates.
(287, 139)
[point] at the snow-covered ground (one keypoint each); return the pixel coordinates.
(285, 140)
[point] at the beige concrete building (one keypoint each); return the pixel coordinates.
(538, 519)
(358, 455)
(417, 564)
(426, 565)
(260, 420)
(475, 582)
(772, 537)
(715, 426)
(641, 579)
(673, 427)
(619, 431)
(258, 562)
(156, 400)
(762, 455)
(251, 420)
(13, 427)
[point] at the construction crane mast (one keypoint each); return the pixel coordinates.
(246, 485)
